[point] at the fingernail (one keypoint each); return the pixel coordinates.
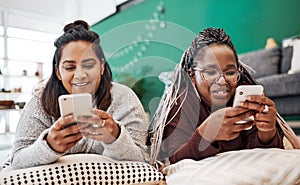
(241, 103)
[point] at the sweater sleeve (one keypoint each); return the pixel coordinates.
(128, 112)
(30, 148)
(181, 139)
(252, 140)
(196, 148)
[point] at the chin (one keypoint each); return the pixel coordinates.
(81, 91)
(219, 103)
(77, 90)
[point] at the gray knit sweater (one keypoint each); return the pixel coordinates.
(30, 149)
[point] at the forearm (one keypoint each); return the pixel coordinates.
(38, 153)
(128, 113)
(124, 148)
(252, 139)
(266, 137)
(269, 139)
(196, 148)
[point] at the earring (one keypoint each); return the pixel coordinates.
(191, 73)
(102, 71)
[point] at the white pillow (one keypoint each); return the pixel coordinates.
(252, 166)
(295, 63)
(85, 169)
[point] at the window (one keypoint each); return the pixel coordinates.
(1, 31)
(1, 42)
(1, 46)
(21, 49)
(28, 53)
(30, 45)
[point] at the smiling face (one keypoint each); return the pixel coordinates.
(214, 58)
(79, 68)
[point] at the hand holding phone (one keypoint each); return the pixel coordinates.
(242, 92)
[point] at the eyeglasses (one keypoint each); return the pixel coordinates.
(213, 75)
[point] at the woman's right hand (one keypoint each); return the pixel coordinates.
(221, 125)
(61, 137)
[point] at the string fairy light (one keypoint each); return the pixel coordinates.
(142, 42)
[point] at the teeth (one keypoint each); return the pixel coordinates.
(81, 84)
(221, 92)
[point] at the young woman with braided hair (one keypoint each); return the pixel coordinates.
(195, 118)
(79, 66)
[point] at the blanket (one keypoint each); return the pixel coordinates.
(251, 166)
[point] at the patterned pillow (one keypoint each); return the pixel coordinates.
(85, 169)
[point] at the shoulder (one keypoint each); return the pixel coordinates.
(117, 86)
(118, 90)
(34, 100)
(34, 106)
(123, 95)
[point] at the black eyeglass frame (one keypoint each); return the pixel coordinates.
(219, 76)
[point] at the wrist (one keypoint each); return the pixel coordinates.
(265, 137)
(204, 134)
(114, 134)
(118, 131)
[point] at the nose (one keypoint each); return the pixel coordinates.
(221, 79)
(80, 73)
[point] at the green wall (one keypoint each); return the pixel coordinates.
(138, 48)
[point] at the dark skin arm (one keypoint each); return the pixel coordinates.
(226, 118)
(264, 121)
(220, 125)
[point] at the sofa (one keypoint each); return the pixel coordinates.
(272, 69)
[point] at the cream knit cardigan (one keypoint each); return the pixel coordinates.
(30, 149)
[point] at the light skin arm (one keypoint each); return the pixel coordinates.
(101, 127)
(61, 137)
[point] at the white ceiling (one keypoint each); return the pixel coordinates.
(52, 15)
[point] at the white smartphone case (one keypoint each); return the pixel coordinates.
(242, 92)
(79, 104)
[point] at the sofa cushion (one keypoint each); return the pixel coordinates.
(265, 62)
(281, 85)
(295, 63)
(286, 58)
(287, 106)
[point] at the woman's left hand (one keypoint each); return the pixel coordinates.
(100, 126)
(265, 116)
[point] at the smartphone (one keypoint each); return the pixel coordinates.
(78, 104)
(242, 92)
